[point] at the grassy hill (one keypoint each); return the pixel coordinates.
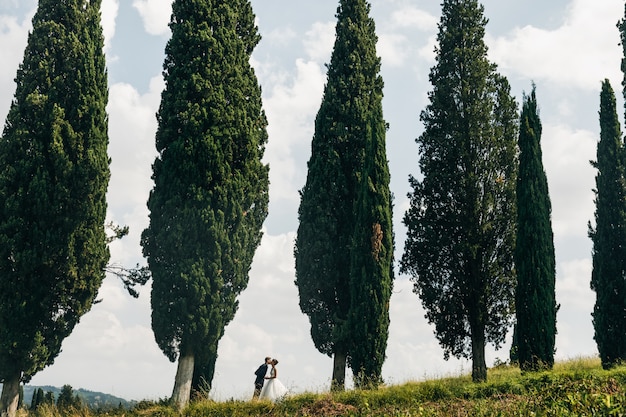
(574, 388)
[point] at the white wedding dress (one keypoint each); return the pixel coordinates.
(273, 389)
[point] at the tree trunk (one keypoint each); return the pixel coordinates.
(10, 396)
(339, 371)
(182, 384)
(479, 365)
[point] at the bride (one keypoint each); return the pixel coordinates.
(273, 389)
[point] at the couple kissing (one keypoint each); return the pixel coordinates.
(272, 389)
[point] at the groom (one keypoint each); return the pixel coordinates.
(260, 378)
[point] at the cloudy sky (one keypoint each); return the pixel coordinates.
(567, 47)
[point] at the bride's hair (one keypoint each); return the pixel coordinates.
(275, 361)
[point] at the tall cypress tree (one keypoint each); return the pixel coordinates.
(371, 275)
(54, 173)
(210, 192)
(535, 301)
(349, 118)
(461, 220)
(609, 254)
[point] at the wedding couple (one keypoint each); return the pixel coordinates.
(272, 389)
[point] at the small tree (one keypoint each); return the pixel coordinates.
(535, 302)
(38, 398)
(67, 399)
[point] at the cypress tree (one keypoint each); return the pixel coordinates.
(535, 302)
(33, 400)
(66, 399)
(348, 121)
(371, 275)
(38, 398)
(461, 220)
(210, 192)
(607, 276)
(54, 173)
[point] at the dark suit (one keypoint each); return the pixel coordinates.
(260, 379)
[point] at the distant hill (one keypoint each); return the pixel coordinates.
(90, 398)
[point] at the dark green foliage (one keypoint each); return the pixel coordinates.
(210, 192)
(67, 399)
(54, 173)
(33, 400)
(371, 275)
(535, 302)
(38, 398)
(91, 399)
(609, 253)
(339, 215)
(461, 223)
(48, 398)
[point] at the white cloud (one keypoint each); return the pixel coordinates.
(393, 49)
(319, 41)
(13, 37)
(574, 322)
(406, 34)
(566, 156)
(410, 16)
(427, 52)
(573, 284)
(280, 36)
(580, 53)
(109, 10)
(300, 98)
(132, 128)
(155, 14)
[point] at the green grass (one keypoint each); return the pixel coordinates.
(577, 387)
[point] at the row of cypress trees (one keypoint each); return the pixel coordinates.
(480, 246)
(476, 198)
(462, 222)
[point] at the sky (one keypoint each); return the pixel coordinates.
(566, 47)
